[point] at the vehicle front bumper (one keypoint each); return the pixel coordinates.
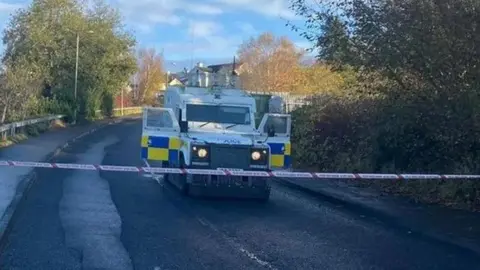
(230, 191)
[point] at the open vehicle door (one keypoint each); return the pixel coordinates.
(160, 135)
(275, 129)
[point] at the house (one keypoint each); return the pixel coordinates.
(174, 80)
(226, 74)
(223, 75)
(199, 76)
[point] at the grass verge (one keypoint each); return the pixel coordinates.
(32, 131)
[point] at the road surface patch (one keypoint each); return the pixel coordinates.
(91, 221)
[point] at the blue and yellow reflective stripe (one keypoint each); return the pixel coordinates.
(280, 154)
(160, 148)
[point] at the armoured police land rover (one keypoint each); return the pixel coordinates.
(202, 128)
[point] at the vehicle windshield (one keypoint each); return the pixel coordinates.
(221, 114)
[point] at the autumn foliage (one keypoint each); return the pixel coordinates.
(150, 76)
(274, 64)
(269, 63)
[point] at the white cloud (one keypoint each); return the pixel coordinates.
(155, 12)
(221, 45)
(143, 13)
(205, 9)
(163, 19)
(209, 39)
(204, 29)
(269, 8)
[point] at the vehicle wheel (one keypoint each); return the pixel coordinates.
(166, 177)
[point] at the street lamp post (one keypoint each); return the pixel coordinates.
(76, 81)
(168, 74)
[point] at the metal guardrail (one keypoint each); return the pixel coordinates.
(11, 128)
(7, 127)
(126, 110)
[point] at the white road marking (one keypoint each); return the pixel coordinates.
(255, 258)
(90, 219)
(153, 176)
(158, 177)
(239, 247)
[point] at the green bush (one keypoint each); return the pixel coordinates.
(57, 106)
(391, 133)
(107, 105)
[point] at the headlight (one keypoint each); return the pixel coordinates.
(259, 157)
(256, 155)
(202, 152)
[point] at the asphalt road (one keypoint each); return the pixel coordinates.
(110, 220)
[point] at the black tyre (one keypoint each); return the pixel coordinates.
(166, 177)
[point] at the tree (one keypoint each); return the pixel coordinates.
(46, 32)
(416, 105)
(410, 40)
(318, 79)
(270, 63)
(334, 45)
(150, 76)
(20, 84)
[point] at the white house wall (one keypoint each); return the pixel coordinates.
(207, 79)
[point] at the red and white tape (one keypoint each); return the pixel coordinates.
(280, 174)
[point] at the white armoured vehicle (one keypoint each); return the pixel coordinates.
(201, 128)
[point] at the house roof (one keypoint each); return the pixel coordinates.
(216, 68)
(206, 69)
(172, 77)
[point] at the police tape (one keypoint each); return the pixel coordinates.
(233, 172)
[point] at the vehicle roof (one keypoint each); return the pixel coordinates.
(205, 95)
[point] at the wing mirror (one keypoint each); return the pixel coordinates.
(183, 123)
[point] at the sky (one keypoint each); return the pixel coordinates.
(191, 31)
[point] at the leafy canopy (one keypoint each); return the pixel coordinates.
(46, 32)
